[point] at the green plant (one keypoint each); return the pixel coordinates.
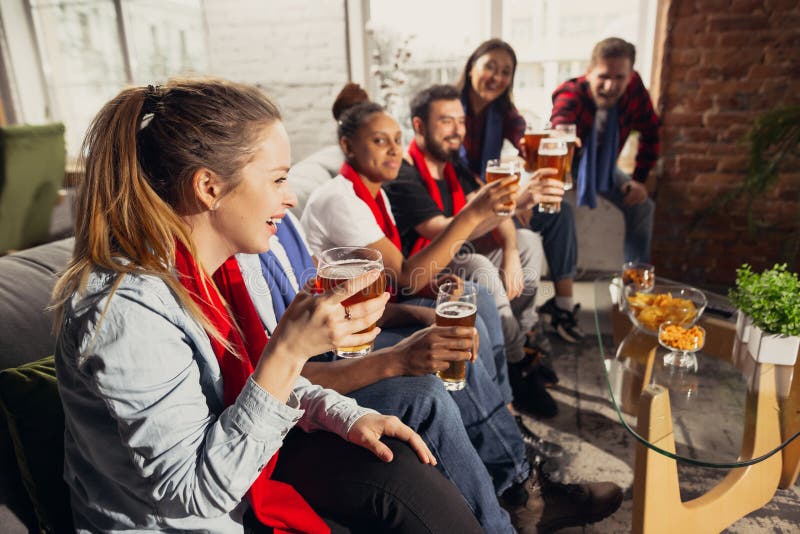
(771, 298)
(774, 136)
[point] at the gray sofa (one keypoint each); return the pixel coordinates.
(26, 280)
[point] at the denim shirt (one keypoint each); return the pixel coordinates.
(148, 445)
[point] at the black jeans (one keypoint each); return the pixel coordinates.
(356, 492)
(558, 240)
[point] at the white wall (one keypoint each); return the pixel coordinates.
(293, 50)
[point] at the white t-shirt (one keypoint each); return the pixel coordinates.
(335, 217)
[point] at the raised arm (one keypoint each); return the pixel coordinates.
(417, 272)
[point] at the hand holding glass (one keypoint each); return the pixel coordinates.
(456, 305)
(340, 264)
(500, 170)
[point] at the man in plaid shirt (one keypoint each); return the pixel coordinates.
(611, 88)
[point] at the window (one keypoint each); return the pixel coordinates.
(90, 49)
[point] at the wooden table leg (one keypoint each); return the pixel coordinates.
(790, 424)
(657, 506)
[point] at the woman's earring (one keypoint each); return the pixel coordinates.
(215, 205)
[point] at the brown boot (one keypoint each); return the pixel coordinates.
(552, 505)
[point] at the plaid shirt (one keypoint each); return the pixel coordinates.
(572, 104)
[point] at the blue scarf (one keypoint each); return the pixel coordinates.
(596, 167)
(280, 288)
(492, 135)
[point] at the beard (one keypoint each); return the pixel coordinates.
(438, 150)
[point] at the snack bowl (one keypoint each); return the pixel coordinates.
(682, 342)
(640, 275)
(666, 303)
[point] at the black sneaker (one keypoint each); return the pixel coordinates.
(563, 322)
(552, 505)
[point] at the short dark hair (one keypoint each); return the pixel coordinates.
(613, 47)
(506, 100)
(421, 104)
(354, 117)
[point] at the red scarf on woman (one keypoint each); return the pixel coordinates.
(274, 503)
(376, 204)
(456, 192)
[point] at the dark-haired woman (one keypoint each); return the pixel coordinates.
(352, 210)
(486, 86)
(175, 404)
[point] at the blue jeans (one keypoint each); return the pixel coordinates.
(638, 220)
(482, 404)
(559, 240)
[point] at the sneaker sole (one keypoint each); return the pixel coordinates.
(563, 334)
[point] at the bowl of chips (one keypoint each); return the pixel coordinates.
(641, 275)
(664, 303)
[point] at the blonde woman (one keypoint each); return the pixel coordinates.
(175, 404)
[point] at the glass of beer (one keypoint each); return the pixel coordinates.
(535, 131)
(500, 170)
(456, 305)
(569, 133)
(340, 264)
(552, 154)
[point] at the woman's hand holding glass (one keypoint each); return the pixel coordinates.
(314, 324)
(495, 198)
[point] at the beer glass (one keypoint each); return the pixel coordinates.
(500, 170)
(535, 131)
(340, 264)
(456, 305)
(569, 133)
(553, 154)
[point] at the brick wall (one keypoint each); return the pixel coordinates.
(726, 62)
(294, 50)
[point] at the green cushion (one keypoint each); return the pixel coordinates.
(29, 398)
(32, 163)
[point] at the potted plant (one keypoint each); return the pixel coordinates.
(768, 322)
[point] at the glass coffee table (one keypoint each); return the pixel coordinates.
(724, 412)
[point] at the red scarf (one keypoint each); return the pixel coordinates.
(376, 204)
(456, 192)
(274, 503)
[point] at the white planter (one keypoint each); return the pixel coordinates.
(772, 348)
(743, 324)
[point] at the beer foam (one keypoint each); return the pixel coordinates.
(347, 269)
(456, 310)
(552, 152)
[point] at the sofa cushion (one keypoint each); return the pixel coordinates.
(313, 171)
(29, 399)
(26, 280)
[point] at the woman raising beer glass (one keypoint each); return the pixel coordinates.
(175, 403)
(486, 85)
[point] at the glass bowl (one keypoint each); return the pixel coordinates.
(664, 303)
(682, 342)
(640, 275)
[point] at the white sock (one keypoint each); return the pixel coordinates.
(565, 303)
